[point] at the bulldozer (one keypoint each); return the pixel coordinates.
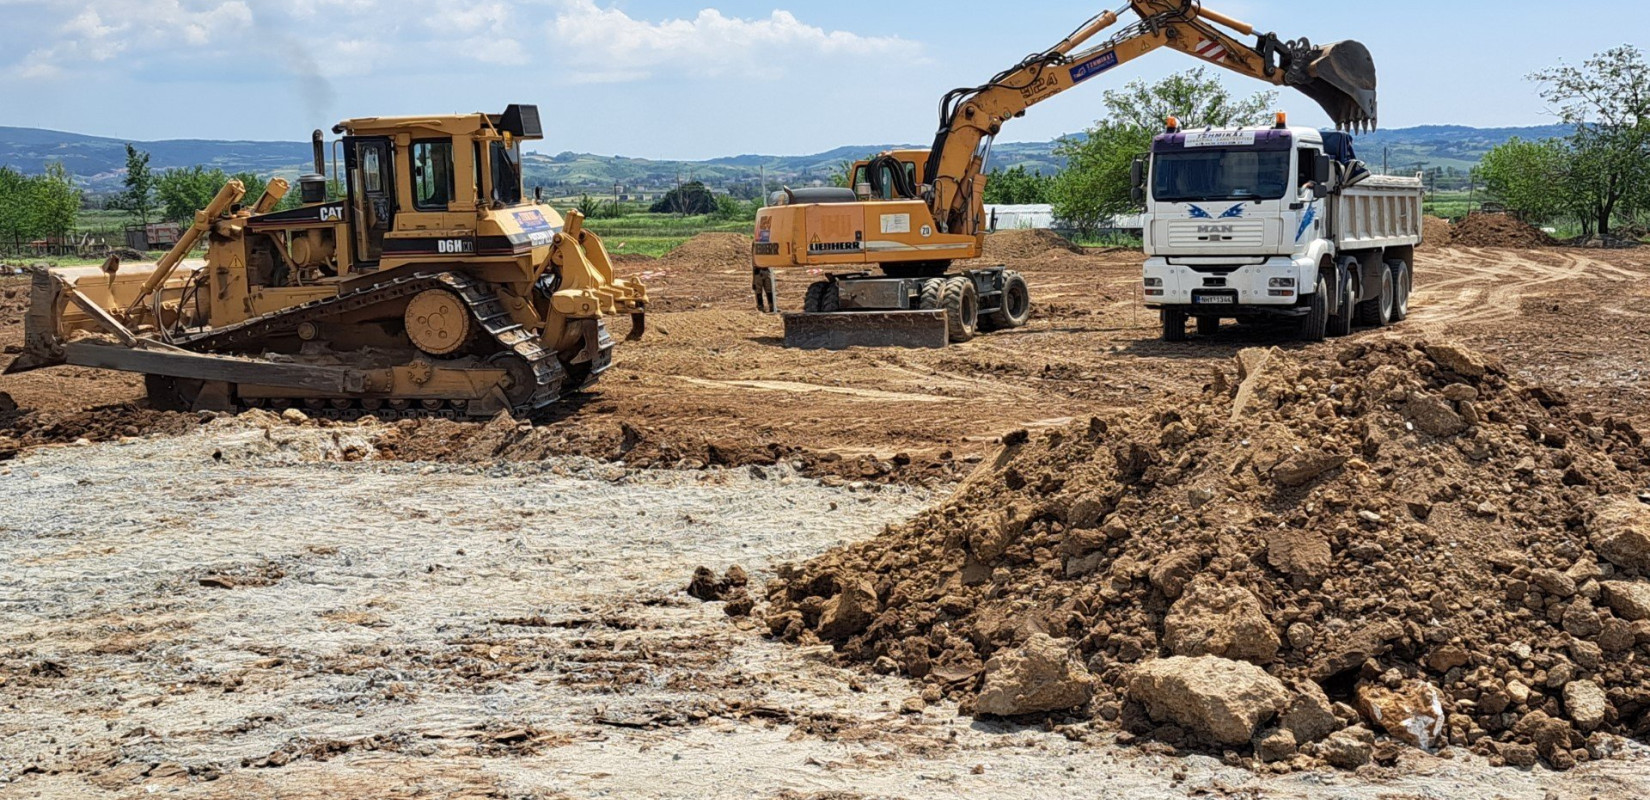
(911, 214)
(417, 280)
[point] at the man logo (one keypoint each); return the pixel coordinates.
(1215, 229)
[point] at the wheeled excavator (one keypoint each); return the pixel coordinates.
(911, 214)
(424, 284)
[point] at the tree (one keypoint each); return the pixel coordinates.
(733, 209)
(56, 201)
(689, 198)
(1607, 100)
(18, 216)
(255, 186)
(1095, 184)
(139, 197)
(1017, 187)
(1527, 177)
(182, 192)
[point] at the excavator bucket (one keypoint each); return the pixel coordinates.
(1343, 82)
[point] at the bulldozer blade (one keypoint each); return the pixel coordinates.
(42, 337)
(845, 329)
(1343, 82)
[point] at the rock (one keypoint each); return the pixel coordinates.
(1302, 555)
(293, 416)
(1199, 498)
(1554, 583)
(1276, 745)
(1172, 572)
(1310, 716)
(1581, 620)
(1225, 621)
(1348, 749)
(1617, 636)
(1041, 676)
(1412, 714)
(1586, 704)
(1621, 534)
(1447, 658)
(704, 585)
(1433, 415)
(7, 405)
(739, 603)
(1518, 755)
(849, 612)
(1350, 650)
(913, 705)
(1219, 700)
(1301, 468)
(1631, 601)
(1458, 359)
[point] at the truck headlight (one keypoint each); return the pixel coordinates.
(1154, 282)
(1282, 283)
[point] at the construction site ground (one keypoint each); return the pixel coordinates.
(250, 607)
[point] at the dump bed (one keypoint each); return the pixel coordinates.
(1380, 211)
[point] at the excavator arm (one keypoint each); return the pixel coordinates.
(1340, 77)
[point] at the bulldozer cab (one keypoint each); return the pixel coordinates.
(370, 165)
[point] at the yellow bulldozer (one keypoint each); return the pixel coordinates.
(429, 285)
(911, 214)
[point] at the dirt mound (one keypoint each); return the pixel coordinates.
(632, 258)
(1436, 232)
(1498, 230)
(1026, 244)
(710, 252)
(1402, 530)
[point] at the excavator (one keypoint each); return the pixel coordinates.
(911, 214)
(417, 281)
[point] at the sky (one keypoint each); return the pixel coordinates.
(658, 79)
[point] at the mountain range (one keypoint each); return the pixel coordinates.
(99, 163)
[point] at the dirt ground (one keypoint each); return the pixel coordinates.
(559, 658)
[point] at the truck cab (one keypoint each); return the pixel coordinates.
(1246, 223)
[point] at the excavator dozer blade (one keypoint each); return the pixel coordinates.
(844, 329)
(42, 325)
(1343, 82)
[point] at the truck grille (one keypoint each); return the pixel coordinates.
(1204, 234)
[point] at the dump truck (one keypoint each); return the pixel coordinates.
(429, 285)
(1274, 222)
(887, 242)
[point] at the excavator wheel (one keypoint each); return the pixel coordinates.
(933, 295)
(962, 309)
(823, 297)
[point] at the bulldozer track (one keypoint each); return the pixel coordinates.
(548, 374)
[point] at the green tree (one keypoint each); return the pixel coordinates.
(139, 197)
(687, 199)
(732, 209)
(182, 192)
(1017, 186)
(1607, 100)
(56, 200)
(1529, 177)
(1095, 184)
(19, 218)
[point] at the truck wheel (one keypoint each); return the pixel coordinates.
(962, 309)
(1315, 325)
(1208, 326)
(932, 297)
(1340, 322)
(1377, 311)
(823, 298)
(1402, 280)
(1015, 310)
(1174, 325)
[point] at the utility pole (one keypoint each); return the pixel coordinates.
(1386, 156)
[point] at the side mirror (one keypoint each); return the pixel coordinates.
(1323, 170)
(1137, 180)
(1320, 190)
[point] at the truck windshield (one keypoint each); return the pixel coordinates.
(1220, 175)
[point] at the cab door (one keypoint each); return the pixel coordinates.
(370, 162)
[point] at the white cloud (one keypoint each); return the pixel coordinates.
(608, 45)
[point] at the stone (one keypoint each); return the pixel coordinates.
(1412, 714)
(1310, 716)
(1616, 636)
(1630, 600)
(1518, 755)
(1554, 583)
(1581, 620)
(848, 613)
(1301, 468)
(1276, 745)
(1458, 359)
(1348, 749)
(293, 416)
(1304, 556)
(1350, 650)
(1216, 699)
(1621, 534)
(1224, 621)
(1447, 658)
(1433, 415)
(1173, 572)
(1586, 704)
(1042, 675)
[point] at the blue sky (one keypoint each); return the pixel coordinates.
(696, 80)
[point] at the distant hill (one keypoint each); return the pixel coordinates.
(99, 163)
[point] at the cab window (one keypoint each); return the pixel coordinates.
(432, 163)
(506, 163)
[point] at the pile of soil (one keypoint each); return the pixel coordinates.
(1403, 529)
(1498, 230)
(1436, 232)
(710, 252)
(1026, 244)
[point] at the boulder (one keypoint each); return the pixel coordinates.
(1276, 745)
(1630, 600)
(1412, 714)
(1348, 749)
(1224, 621)
(1621, 533)
(849, 612)
(1458, 359)
(1434, 415)
(1310, 716)
(1041, 676)
(1586, 704)
(1216, 699)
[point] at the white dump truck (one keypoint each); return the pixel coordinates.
(1274, 222)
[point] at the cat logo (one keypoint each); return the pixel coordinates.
(332, 213)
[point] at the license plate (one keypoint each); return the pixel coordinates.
(1215, 300)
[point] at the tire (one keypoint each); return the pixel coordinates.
(1344, 314)
(1174, 326)
(932, 297)
(1314, 327)
(823, 298)
(1377, 311)
(171, 394)
(1015, 309)
(1402, 282)
(1208, 326)
(962, 309)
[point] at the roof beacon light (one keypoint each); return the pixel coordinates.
(1174, 125)
(1283, 121)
